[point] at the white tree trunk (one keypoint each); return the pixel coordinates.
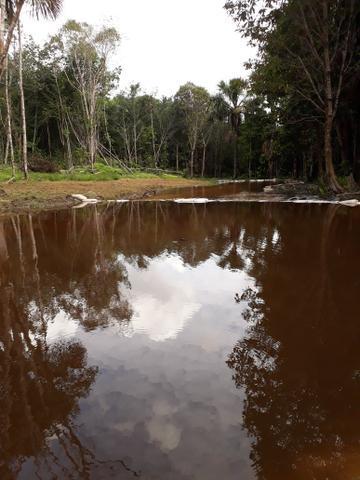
(9, 145)
(22, 108)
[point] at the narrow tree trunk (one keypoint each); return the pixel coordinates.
(9, 144)
(22, 108)
(329, 113)
(108, 138)
(135, 143)
(344, 153)
(235, 159)
(203, 160)
(2, 28)
(356, 153)
(35, 127)
(92, 136)
(177, 157)
(6, 154)
(49, 139)
(192, 162)
(69, 152)
(153, 140)
(92, 149)
(64, 126)
(250, 155)
(328, 151)
(6, 42)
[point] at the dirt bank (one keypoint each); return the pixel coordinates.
(44, 195)
(297, 190)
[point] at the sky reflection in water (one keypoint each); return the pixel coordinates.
(180, 341)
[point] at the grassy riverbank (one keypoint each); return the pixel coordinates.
(82, 174)
(52, 191)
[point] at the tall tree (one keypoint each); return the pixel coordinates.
(9, 133)
(22, 108)
(233, 94)
(86, 56)
(315, 39)
(10, 11)
(194, 103)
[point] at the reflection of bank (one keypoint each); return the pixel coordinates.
(40, 387)
(141, 268)
(40, 383)
(299, 361)
(63, 271)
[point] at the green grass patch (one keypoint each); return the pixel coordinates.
(5, 174)
(83, 174)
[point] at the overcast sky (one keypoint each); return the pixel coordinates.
(165, 43)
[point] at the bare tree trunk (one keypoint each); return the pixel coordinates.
(320, 166)
(6, 42)
(64, 126)
(35, 128)
(108, 138)
(339, 134)
(250, 155)
(329, 113)
(330, 172)
(177, 157)
(3, 28)
(235, 159)
(356, 153)
(9, 144)
(6, 154)
(153, 140)
(192, 162)
(22, 107)
(93, 132)
(203, 160)
(48, 138)
(127, 140)
(135, 144)
(69, 152)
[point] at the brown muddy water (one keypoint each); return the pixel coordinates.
(219, 190)
(164, 341)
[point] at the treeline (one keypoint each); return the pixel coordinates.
(308, 74)
(297, 115)
(74, 117)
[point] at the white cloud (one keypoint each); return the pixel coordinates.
(168, 295)
(61, 326)
(163, 299)
(166, 433)
(164, 43)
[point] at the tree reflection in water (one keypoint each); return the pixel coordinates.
(40, 387)
(299, 361)
(74, 263)
(42, 381)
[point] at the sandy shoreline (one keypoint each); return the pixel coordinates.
(22, 197)
(30, 196)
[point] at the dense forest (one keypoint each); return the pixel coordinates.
(297, 113)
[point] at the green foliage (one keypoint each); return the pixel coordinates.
(261, 127)
(307, 66)
(102, 173)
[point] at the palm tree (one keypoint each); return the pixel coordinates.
(10, 11)
(233, 93)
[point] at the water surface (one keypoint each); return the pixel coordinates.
(175, 342)
(226, 189)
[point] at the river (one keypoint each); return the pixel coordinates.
(178, 341)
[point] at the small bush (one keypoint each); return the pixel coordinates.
(39, 164)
